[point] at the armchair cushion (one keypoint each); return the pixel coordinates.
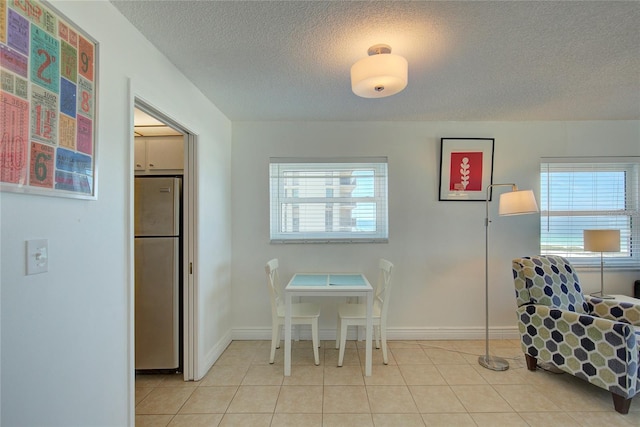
(614, 310)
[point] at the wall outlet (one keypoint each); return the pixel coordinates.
(37, 256)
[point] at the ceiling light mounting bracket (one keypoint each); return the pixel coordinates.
(379, 49)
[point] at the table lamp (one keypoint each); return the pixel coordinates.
(515, 202)
(601, 241)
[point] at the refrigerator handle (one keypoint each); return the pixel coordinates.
(176, 203)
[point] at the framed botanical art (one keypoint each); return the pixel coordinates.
(48, 102)
(466, 168)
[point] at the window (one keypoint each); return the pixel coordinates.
(320, 200)
(588, 193)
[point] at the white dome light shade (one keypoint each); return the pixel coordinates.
(379, 75)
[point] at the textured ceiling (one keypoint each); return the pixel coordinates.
(290, 60)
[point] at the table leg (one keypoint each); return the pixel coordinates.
(369, 335)
(287, 335)
(361, 330)
(295, 331)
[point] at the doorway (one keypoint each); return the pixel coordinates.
(165, 149)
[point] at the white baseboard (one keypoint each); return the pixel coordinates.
(213, 354)
(395, 334)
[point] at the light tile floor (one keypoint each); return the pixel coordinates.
(427, 383)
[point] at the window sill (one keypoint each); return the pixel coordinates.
(326, 241)
(596, 268)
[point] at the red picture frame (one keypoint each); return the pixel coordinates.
(466, 168)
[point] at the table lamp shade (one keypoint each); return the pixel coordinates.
(517, 203)
(602, 240)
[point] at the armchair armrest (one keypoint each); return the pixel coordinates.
(601, 351)
(618, 311)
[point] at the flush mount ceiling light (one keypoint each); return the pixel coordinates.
(380, 74)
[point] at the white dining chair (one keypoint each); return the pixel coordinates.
(301, 313)
(356, 314)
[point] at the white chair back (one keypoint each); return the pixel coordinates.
(273, 281)
(383, 288)
(304, 313)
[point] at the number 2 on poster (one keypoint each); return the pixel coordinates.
(45, 64)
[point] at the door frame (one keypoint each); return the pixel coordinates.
(190, 246)
(190, 294)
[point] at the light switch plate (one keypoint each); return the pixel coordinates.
(37, 256)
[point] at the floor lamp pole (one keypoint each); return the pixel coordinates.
(490, 362)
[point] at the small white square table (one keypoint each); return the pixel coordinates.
(327, 285)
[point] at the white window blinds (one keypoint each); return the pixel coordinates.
(588, 193)
(328, 200)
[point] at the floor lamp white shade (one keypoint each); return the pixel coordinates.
(601, 241)
(515, 202)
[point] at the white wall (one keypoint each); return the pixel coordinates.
(437, 247)
(65, 334)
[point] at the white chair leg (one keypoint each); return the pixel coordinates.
(383, 333)
(278, 336)
(343, 343)
(274, 340)
(376, 333)
(314, 340)
(338, 334)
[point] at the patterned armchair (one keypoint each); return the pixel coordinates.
(593, 339)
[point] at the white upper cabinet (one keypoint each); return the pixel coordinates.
(140, 154)
(159, 154)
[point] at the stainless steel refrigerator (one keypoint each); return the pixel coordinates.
(157, 272)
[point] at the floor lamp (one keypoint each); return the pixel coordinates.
(515, 202)
(601, 241)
